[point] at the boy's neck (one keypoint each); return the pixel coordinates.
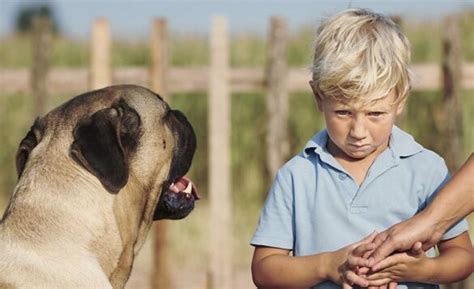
(357, 168)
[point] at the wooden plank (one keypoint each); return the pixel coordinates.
(41, 61)
(160, 276)
(277, 146)
(159, 56)
(220, 245)
(100, 64)
(452, 60)
(427, 76)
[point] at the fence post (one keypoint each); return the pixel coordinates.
(452, 108)
(41, 48)
(160, 277)
(277, 96)
(220, 249)
(159, 56)
(452, 75)
(100, 61)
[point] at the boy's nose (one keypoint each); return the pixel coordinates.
(358, 130)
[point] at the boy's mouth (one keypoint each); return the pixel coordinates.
(364, 146)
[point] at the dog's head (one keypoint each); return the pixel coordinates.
(125, 137)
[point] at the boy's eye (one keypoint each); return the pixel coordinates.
(376, 113)
(342, 112)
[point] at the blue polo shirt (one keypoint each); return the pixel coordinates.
(315, 206)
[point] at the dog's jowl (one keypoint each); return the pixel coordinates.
(93, 174)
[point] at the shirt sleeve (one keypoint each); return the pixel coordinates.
(439, 178)
(275, 226)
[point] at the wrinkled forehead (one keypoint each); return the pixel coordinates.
(138, 98)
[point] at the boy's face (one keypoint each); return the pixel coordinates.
(358, 131)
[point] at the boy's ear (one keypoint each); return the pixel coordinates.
(401, 106)
(317, 96)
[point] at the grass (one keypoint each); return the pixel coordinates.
(246, 49)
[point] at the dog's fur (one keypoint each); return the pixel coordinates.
(91, 173)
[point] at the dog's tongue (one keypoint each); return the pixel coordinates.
(184, 184)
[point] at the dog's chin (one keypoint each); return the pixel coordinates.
(176, 200)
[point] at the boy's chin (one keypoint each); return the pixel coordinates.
(358, 155)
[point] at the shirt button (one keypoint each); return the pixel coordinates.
(342, 177)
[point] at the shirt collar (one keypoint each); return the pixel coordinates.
(316, 144)
(402, 144)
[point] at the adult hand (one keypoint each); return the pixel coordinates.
(412, 234)
(409, 265)
(452, 202)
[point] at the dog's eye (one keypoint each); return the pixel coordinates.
(29, 142)
(26, 146)
(21, 158)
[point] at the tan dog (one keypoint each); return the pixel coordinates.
(93, 175)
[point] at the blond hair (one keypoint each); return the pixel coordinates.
(361, 56)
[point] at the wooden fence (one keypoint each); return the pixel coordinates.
(428, 76)
(219, 79)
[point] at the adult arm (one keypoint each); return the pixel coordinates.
(453, 202)
(454, 263)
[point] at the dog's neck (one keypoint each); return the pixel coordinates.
(64, 231)
(101, 225)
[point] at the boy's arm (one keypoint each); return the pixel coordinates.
(274, 267)
(455, 262)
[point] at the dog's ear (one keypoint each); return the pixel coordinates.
(104, 142)
(27, 144)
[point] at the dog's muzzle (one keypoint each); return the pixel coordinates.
(178, 193)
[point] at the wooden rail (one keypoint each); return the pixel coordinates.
(428, 76)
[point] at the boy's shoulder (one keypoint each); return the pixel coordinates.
(308, 156)
(409, 150)
(297, 164)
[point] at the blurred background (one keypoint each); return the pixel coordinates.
(239, 71)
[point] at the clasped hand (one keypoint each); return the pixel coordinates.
(357, 269)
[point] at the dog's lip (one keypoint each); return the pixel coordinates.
(184, 184)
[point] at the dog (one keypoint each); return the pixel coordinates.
(93, 174)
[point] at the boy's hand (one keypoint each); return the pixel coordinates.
(363, 271)
(347, 260)
(399, 267)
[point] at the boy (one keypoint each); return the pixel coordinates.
(359, 175)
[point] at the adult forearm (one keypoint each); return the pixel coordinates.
(455, 200)
(290, 272)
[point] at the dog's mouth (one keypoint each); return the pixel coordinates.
(179, 193)
(177, 199)
(184, 186)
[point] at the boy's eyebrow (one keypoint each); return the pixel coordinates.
(367, 107)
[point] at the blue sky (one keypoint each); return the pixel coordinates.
(131, 19)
